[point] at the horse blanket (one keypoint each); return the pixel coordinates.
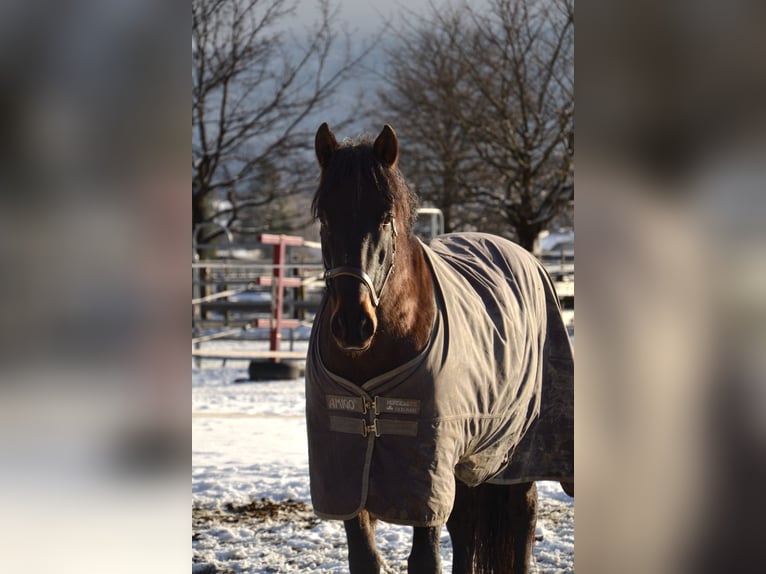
(490, 399)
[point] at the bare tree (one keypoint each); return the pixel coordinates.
(425, 85)
(524, 77)
(254, 84)
(488, 97)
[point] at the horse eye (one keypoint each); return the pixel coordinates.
(387, 218)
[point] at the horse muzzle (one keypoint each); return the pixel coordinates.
(353, 323)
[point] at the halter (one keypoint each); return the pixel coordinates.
(359, 273)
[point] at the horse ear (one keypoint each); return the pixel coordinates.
(325, 145)
(386, 146)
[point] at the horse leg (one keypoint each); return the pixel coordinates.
(363, 557)
(460, 527)
(523, 514)
(424, 557)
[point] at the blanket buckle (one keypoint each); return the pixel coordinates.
(371, 428)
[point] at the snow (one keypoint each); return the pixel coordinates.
(251, 506)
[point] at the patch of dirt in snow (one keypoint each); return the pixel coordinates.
(263, 536)
(256, 511)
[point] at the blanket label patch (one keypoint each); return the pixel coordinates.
(399, 406)
(344, 403)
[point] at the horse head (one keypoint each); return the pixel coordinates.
(362, 211)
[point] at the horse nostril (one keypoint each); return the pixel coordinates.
(366, 328)
(338, 330)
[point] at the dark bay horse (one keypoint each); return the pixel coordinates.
(373, 454)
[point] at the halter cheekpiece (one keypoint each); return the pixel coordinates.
(361, 274)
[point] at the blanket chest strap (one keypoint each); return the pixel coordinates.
(378, 427)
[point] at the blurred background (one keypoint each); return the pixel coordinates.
(94, 110)
(671, 276)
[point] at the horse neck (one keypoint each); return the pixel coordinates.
(406, 313)
(405, 320)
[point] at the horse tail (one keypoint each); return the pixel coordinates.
(493, 531)
(493, 527)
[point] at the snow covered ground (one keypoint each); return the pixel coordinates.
(251, 507)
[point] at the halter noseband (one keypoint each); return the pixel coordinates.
(359, 273)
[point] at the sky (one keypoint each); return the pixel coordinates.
(366, 16)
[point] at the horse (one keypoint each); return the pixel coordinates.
(387, 375)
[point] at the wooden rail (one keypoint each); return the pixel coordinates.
(246, 355)
(279, 282)
(275, 305)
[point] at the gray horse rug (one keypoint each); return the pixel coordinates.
(490, 399)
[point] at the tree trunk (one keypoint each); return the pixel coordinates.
(527, 235)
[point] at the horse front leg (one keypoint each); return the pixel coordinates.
(425, 557)
(363, 557)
